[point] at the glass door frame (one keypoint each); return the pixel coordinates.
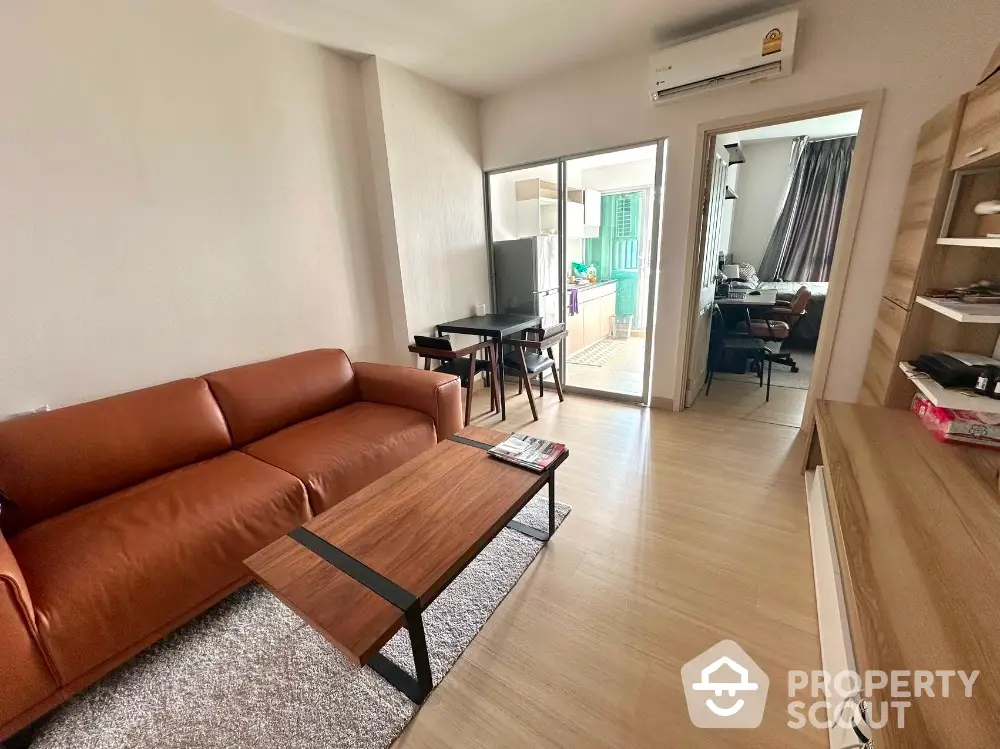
(560, 163)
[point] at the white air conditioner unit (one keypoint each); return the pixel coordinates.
(754, 51)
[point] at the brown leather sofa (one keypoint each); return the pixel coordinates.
(124, 518)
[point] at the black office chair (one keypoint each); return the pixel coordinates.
(722, 342)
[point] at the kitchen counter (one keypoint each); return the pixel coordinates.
(592, 290)
(590, 285)
(916, 524)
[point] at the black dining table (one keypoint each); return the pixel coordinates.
(496, 328)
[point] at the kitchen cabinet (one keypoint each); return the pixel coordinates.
(574, 329)
(591, 312)
(594, 320)
(607, 314)
(592, 208)
(537, 209)
(574, 219)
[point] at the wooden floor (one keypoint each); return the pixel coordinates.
(686, 529)
(622, 373)
(745, 400)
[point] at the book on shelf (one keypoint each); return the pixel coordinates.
(532, 453)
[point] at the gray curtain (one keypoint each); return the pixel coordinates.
(805, 231)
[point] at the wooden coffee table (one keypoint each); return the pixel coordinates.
(370, 565)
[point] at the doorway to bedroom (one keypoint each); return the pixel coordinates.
(773, 202)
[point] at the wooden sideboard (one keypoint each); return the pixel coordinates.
(916, 525)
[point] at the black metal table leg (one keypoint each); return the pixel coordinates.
(552, 502)
(527, 530)
(415, 689)
(503, 380)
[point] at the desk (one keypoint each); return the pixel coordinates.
(765, 299)
(496, 328)
(465, 345)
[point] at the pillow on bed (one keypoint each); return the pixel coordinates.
(748, 273)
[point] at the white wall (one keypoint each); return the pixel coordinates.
(761, 184)
(924, 52)
(180, 190)
(620, 176)
(432, 147)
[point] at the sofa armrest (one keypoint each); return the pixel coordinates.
(435, 394)
(25, 676)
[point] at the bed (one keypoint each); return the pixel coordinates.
(806, 333)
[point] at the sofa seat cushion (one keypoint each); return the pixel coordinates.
(108, 574)
(343, 451)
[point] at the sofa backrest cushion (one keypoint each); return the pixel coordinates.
(263, 398)
(54, 461)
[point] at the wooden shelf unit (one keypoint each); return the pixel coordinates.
(941, 242)
(962, 311)
(985, 242)
(959, 400)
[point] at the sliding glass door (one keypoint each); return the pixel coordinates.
(610, 202)
(575, 240)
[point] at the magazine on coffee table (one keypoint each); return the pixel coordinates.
(532, 453)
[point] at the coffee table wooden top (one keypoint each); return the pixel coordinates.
(417, 526)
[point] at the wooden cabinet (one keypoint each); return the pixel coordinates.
(592, 208)
(607, 314)
(574, 330)
(993, 66)
(591, 312)
(980, 134)
(594, 321)
(537, 208)
(924, 207)
(894, 493)
(883, 358)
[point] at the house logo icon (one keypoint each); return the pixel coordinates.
(725, 688)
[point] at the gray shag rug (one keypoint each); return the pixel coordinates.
(250, 674)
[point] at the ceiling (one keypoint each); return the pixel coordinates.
(831, 126)
(485, 46)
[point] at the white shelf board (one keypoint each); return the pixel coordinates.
(962, 311)
(970, 242)
(959, 400)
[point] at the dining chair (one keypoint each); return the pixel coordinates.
(435, 348)
(528, 360)
(722, 342)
